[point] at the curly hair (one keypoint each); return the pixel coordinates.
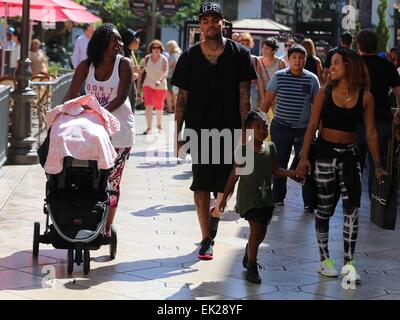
(245, 36)
(99, 42)
(356, 71)
(254, 115)
(155, 42)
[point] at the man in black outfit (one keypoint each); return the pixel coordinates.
(213, 78)
(346, 40)
(383, 76)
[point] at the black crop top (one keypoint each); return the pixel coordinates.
(342, 119)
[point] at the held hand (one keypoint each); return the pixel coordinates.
(305, 166)
(158, 83)
(179, 144)
(222, 205)
(380, 174)
(300, 173)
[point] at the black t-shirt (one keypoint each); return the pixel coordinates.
(383, 76)
(312, 65)
(213, 90)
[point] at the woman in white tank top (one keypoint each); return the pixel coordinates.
(108, 76)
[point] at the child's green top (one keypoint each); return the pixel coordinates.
(254, 189)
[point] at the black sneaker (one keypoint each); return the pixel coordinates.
(213, 225)
(252, 272)
(206, 249)
(245, 257)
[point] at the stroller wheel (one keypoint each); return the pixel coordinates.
(113, 244)
(70, 267)
(36, 237)
(86, 261)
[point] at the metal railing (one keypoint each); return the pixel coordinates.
(4, 124)
(49, 95)
(60, 88)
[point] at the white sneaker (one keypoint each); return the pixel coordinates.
(347, 268)
(327, 269)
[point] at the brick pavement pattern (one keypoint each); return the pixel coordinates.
(158, 235)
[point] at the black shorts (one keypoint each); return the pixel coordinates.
(210, 177)
(260, 215)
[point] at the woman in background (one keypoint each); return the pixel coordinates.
(313, 63)
(174, 53)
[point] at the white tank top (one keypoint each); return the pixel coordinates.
(105, 92)
(154, 72)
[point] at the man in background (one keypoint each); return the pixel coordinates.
(81, 45)
(346, 40)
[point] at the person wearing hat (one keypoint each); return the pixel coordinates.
(213, 77)
(346, 39)
(131, 43)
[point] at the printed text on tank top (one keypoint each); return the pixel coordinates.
(104, 90)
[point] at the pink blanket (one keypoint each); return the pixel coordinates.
(81, 129)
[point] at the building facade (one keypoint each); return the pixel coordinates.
(320, 20)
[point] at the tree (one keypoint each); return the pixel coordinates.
(188, 9)
(121, 15)
(382, 29)
(116, 12)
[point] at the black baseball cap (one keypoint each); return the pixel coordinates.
(210, 8)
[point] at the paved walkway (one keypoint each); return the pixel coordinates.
(158, 237)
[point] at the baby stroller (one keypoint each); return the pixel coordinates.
(77, 197)
(77, 202)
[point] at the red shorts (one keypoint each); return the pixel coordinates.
(154, 98)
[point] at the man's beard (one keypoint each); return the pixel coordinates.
(215, 36)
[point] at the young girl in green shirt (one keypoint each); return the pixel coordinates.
(254, 196)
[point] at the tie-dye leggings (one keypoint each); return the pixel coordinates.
(330, 184)
(116, 174)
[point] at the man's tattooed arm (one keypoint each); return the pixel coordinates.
(181, 102)
(244, 100)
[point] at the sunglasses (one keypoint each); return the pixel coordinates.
(288, 45)
(157, 47)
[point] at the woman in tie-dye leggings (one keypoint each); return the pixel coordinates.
(338, 108)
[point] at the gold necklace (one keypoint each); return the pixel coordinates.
(346, 92)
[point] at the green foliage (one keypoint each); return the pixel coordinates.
(188, 9)
(121, 15)
(116, 12)
(382, 28)
(54, 68)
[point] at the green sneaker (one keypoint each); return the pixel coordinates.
(327, 268)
